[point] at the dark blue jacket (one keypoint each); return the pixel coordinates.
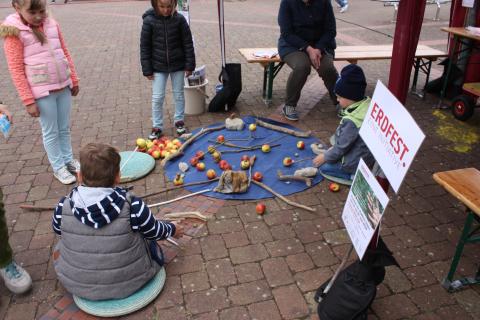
(302, 25)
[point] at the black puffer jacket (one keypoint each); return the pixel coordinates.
(165, 44)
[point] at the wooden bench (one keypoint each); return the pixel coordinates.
(463, 184)
(424, 57)
(394, 4)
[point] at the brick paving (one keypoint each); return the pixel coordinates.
(240, 265)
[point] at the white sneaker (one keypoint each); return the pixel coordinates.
(73, 166)
(16, 278)
(344, 8)
(64, 176)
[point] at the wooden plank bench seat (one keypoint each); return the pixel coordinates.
(424, 56)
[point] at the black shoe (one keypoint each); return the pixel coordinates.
(180, 126)
(156, 134)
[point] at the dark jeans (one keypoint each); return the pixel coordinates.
(5, 249)
(335, 170)
(300, 64)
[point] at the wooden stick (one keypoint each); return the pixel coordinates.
(183, 215)
(282, 129)
(281, 177)
(30, 207)
(249, 149)
(292, 203)
(130, 157)
(179, 187)
(179, 198)
(252, 161)
(189, 141)
(302, 160)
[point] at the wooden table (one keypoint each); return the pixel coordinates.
(424, 56)
(464, 184)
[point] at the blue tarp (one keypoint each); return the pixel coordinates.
(266, 163)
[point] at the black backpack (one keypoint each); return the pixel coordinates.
(355, 288)
(231, 78)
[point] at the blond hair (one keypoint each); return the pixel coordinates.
(34, 5)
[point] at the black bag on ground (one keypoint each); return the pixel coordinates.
(355, 288)
(231, 78)
(453, 89)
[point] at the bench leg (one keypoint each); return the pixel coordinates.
(466, 237)
(271, 75)
(265, 77)
(395, 11)
(437, 12)
(415, 76)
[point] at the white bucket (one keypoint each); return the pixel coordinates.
(195, 99)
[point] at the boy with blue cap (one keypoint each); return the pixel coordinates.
(341, 160)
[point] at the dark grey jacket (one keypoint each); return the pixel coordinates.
(165, 44)
(349, 146)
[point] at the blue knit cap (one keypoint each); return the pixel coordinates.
(352, 83)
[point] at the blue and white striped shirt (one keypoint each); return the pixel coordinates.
(108, 209)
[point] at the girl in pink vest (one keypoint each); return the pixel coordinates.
(43, 73)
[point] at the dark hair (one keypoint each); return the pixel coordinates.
(172, 2)
(34, 5)
(99, 165)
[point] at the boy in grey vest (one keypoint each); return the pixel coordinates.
(105, 250)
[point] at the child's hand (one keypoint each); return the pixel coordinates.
(32, 110)
(4, 110)
(75, 91)
(319, 160)
(178, 230)
(188, 73)
(150, 77)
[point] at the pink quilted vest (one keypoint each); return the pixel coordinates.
(46, 66)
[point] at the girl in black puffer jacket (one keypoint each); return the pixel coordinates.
(166, 48)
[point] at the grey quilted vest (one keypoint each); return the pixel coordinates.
(107, 263)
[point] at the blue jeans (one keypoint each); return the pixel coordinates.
(335, 170)
(55, 122)
(158, 96)
(342, 3)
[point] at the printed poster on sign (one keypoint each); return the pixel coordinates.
(364, 208)
(391, 134)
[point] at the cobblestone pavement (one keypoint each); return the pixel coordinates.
(240, 265)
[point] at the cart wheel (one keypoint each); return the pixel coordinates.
(463, 107)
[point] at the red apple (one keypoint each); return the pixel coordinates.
(194, 161)
(287, 161)
(200, 166)
(211, 174)
(200, 154)
(222, 164)
(334, 187)
(257, 176)
(260, 208)
(220, 139)
(245, 157)
(301, 145)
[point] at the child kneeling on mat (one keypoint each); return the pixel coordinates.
(107, 248)
(341, 160)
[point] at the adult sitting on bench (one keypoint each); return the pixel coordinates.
(307, 38)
